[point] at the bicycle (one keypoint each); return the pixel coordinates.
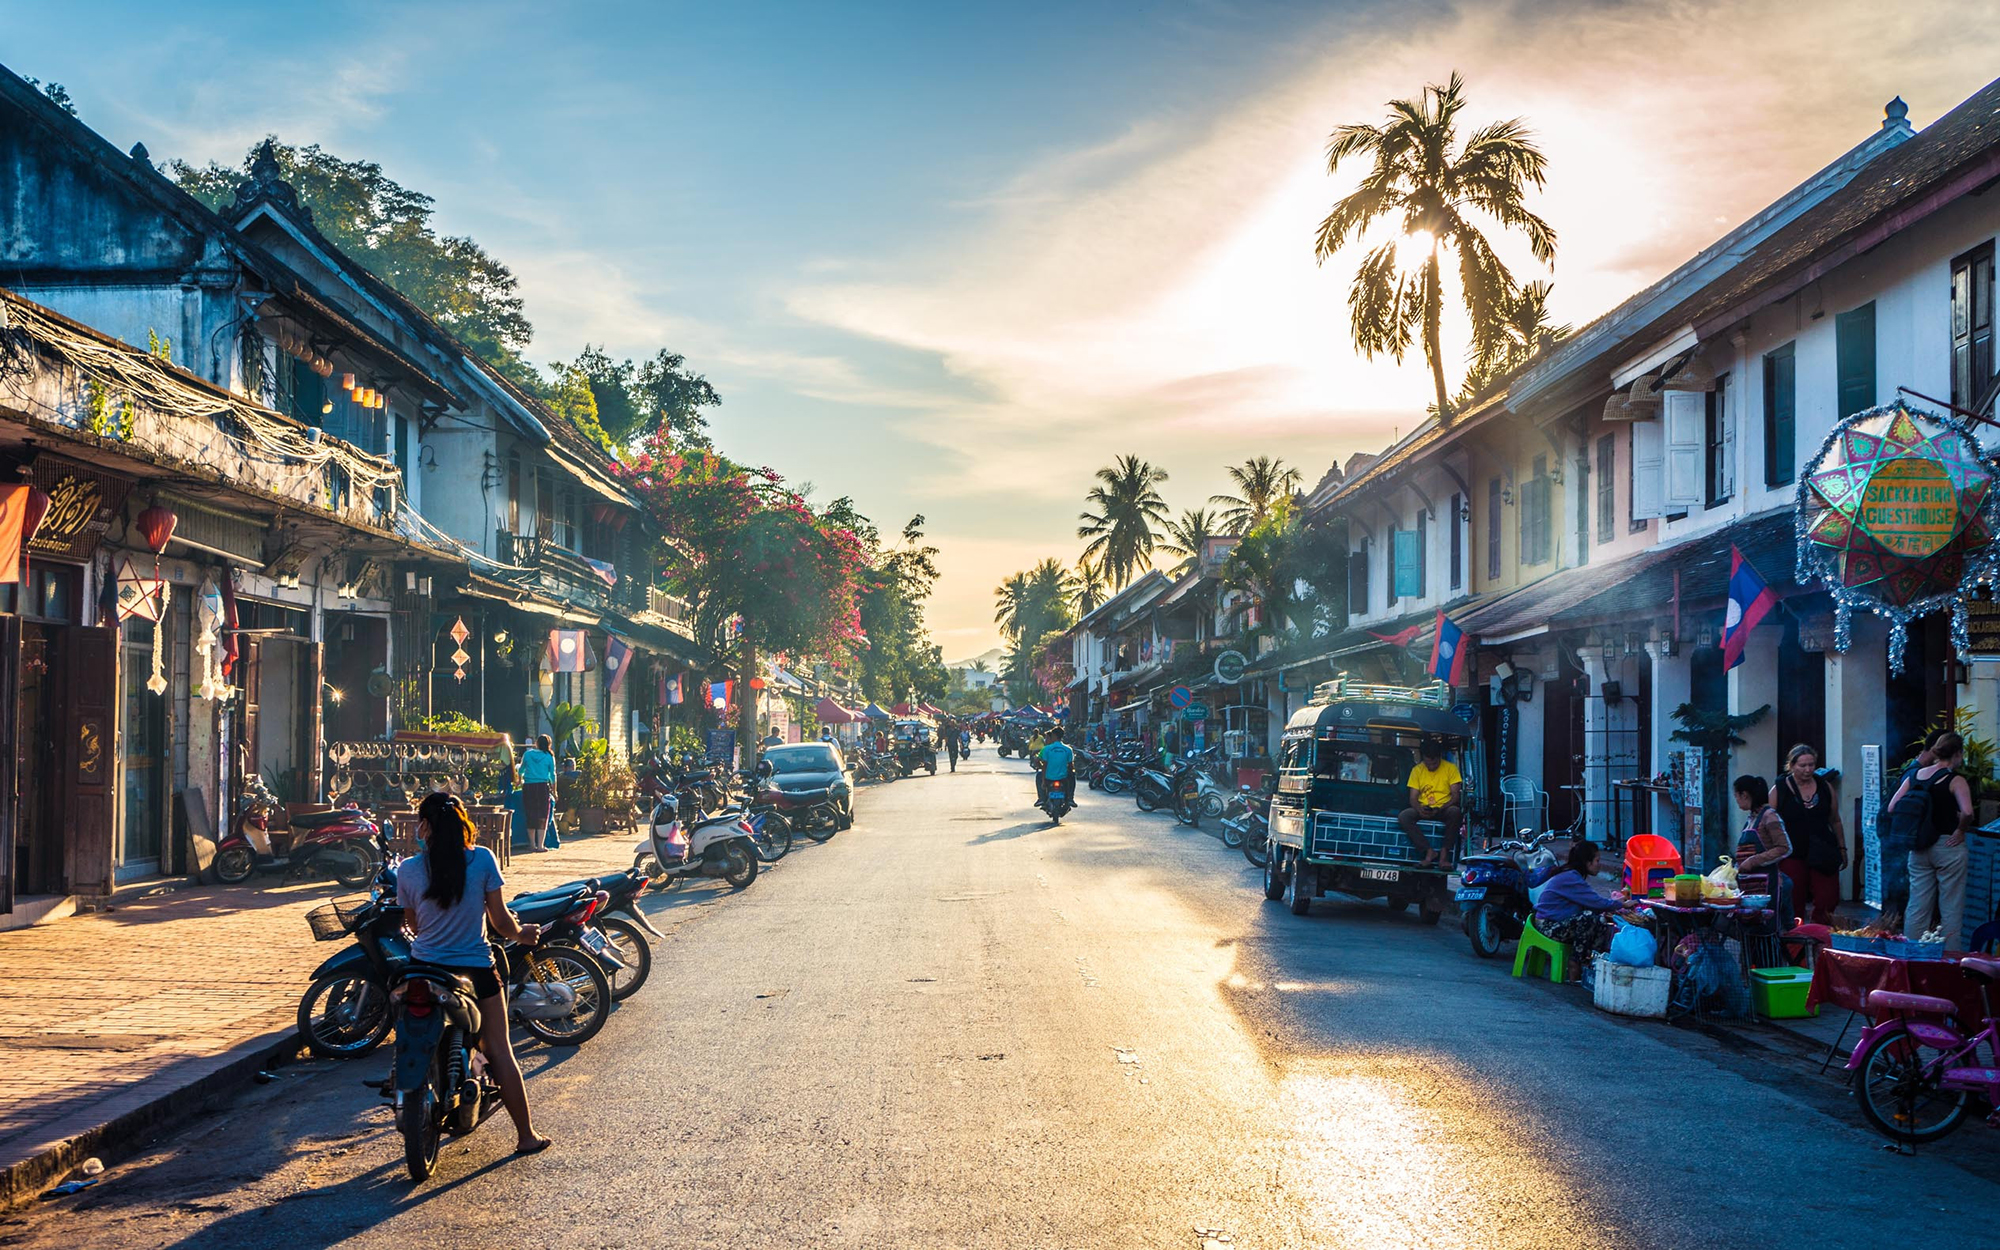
(1915, 1073)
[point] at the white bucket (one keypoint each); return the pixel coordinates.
(1623, 990)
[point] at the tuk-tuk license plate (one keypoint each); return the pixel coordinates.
(1473, 894)
(1381, 874)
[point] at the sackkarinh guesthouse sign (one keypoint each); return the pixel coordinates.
(1896, 514)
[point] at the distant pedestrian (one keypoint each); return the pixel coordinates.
(538, 791)
(951, 747)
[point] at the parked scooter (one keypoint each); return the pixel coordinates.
(1493, 889)
(1197, 796)
(1246, 823)
(341, 844)
(722, 846)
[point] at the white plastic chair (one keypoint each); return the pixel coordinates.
(1518, 795)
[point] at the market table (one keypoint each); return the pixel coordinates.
(1755, 930)
(1846, 978)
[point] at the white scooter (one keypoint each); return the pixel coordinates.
(723, 845)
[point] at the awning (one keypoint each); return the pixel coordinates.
(522, 601)
(590, 477)
(875, 713)
(831, 713)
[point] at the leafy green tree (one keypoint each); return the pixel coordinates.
(57, 94)
(1089, 586)
(1436, 191)
(386, 227)
(574, 399)
(1524, 331)
(1128, 512)
(635, 400)
(899, 660)
(1033, 608)
(1261, 482)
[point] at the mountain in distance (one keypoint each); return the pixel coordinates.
(992, 659)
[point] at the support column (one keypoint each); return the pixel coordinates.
(1754, 684)
(1671, 688)
(1856, 716)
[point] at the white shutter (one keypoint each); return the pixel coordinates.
(1725, 472)
(1648, 470)
(1686, 417)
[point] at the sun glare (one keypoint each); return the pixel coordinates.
(1413, 249)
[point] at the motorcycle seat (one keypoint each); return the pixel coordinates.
(320, 820)
(551, 908)
(435, 972)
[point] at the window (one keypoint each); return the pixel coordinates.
(1647, 478)
(1357, 579)
(1780, 411)
(1721, 444)
(1684, 418)
(513, 492)
(1456, 518)
(1409, 549)
(1607, 488)
(1854, 358)
(1972, 326)
(1536, 499)
(574, 540)
(545, 503)
(403, 449)
(1493, 504)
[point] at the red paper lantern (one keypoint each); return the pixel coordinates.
(156, 526)
(31, 520)
(756, 683)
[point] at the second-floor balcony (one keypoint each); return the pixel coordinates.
(556, 570)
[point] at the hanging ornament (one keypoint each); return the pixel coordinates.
(1896, 515)
(208, 640)
(157, 683)
(459, 657)
(156, 526)
(459, 633)
(139, 595)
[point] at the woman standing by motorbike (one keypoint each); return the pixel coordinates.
(538, 790)
(450, 893)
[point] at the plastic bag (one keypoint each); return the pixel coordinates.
(1634, 946)
(1723, 875)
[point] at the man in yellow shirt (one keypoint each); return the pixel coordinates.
(1435, 789)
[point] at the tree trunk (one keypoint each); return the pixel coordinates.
(746, 704)
(1433, 314)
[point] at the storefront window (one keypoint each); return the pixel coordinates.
(145, 749)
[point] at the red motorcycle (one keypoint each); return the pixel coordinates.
(342, 844)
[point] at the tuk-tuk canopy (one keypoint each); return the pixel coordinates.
(1342, 707)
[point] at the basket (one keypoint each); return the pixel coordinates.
(335, 920)
(1904, 948)
(1859, 945)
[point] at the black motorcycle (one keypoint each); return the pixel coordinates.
(1058, 798)
(436, 1083)
(1246, 825)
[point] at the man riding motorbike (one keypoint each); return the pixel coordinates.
(1057, 761)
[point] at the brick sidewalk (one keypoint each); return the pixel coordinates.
(102, 1016)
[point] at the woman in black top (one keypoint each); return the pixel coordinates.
(1810, 808)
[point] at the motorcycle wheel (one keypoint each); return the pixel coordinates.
(1185, 812)
(844, 821)
(1897, 1084)
(1232, 834)
(1212, 806)
(234, 864)
(775, 842)
(353, 868)
(418, 1121)
(578, 969)
(342, 1016)
(1257, 848)
(633, 949)
(1147, 800)
(1482, 926)
(742, 869)
(1113, 783)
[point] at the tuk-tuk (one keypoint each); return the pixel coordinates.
(1343, 771)
(916, 746)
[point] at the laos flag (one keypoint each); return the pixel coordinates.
(1750, 601)
(1448, 651)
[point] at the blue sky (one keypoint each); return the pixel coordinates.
(949, 258)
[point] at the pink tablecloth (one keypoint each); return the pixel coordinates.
(1844, 978)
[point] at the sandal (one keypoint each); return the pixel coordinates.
(536, 1147)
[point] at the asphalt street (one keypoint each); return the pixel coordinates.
(955, 1026)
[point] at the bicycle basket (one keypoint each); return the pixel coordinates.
(335, 920)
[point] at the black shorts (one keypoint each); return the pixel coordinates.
(485, 981)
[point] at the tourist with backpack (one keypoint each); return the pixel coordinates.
(1928, 817)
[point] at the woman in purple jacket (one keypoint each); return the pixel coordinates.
(1572, 910)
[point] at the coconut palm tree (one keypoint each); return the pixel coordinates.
(1261, 482)
(1184, 537)
(1523, 330)
(1435, 190)
(1090, 588)
(1129, 510)
(1014, 605)
(1052, 590)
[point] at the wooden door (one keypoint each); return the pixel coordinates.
(88, 754)
(10, 714)
(315, 727)
(253, 685)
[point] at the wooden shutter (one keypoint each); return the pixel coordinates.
(1457, 522)
(1607, 491)
(89, 753)
(1649, 468)
(1854, 357)
(1494, 518)
(1780, 411)
(11, 744)
(1409, 565)
(1971, 325)
(1685, 416)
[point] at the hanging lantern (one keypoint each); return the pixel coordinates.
(346, 381)
(156, 526)
(31, 519)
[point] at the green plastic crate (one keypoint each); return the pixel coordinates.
(1780, 993)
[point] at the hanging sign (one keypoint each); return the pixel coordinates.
(1897, 515)
(1871, 824)
(82, 502)
(1180, 696)
(1229, 666)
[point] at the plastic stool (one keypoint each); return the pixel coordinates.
(1649, 860)
(1553, 954)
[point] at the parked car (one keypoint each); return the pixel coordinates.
(810, 783)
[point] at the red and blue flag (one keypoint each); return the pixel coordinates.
(1750, 601)
(1448, 651)
(617, 658)
(569, 651)
(670, 689)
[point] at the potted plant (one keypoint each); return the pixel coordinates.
(593, 786)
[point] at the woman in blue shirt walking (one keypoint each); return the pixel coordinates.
(538, 790)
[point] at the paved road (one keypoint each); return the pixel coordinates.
(956, 1027)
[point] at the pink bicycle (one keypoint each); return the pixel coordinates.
(1916, 1073)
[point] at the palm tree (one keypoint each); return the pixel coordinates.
(1185, 537)
(1261, 482)
(1090, 587)
(1523, 330)
(1434, 188)
(1052, 588)
(1128, 510)
(1015, 605)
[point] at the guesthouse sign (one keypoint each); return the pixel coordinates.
(82, 502)
(1896, 515)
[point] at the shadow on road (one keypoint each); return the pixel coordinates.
(1011, 831)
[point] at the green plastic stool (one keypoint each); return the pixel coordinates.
(1553, 954)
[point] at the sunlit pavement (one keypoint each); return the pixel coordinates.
(957, 1026)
